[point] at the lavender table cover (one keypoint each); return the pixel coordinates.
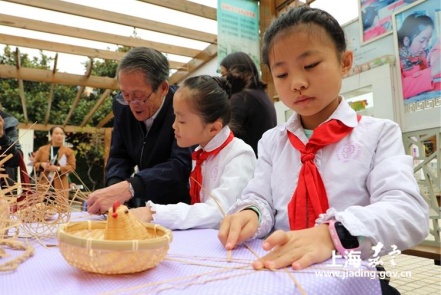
(196, 264)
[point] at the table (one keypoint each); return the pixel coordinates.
(195, 264)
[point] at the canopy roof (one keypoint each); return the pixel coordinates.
(185, 31)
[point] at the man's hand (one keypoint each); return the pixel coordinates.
(300, 248)
(100, 201)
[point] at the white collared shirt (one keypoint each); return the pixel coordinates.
(149, 122)
(368, 178)
(224, 177)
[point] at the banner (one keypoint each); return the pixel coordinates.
(238, 28)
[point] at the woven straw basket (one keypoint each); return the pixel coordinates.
(82, 244)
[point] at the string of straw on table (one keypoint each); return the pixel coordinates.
(296, 283)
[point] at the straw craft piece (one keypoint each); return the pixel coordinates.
(122, 244)
(10, 242)
(42, 211)
(32, 209)
(39, 208)
(122, 225)
(5, 221)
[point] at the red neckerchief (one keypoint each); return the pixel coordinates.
(196, 175)
(310, 199)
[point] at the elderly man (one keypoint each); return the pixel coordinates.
(145, 162)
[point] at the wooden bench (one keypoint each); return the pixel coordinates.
(425, 251)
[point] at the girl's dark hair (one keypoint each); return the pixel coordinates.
(412, 26)
(242, 72)
(303, 15)
(210, 97)
(152, 63)
(51, 131)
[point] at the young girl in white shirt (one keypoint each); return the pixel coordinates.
(360, 179)
(202, 109)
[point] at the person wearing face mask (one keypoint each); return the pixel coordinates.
(252, 111)
(143, 137)
(55, 161)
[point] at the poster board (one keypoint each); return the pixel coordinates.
(238, 29)
(417, 50)
(380, 82)
(364, 53)
(376, 17)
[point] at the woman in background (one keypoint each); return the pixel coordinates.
(54, 161)
(252, 111)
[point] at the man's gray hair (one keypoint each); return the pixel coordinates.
(151, 62)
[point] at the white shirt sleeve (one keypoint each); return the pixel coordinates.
(224, 178)
(369, 180)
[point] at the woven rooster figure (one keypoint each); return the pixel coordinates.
(123, 225)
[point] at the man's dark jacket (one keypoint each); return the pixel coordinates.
(164, 168)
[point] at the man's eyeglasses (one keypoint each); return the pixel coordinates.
(137, 97)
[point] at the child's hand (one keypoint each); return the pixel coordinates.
(237, 228)
(142, 213)
(299, 249)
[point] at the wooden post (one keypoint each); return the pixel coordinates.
(267, 11)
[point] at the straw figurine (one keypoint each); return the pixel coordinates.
(120, 245)
(123, 225)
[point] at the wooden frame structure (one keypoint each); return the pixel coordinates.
(268, 10)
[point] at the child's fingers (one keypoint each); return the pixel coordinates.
(304, 261)
(229, 231)
(316, 255)
(234, 233)
(287, 260)
(224, 230)
(247, 231)
(237, 228)
(276, 259)
(277, 238)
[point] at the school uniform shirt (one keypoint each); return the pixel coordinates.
(369, 182)
(224, 177)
